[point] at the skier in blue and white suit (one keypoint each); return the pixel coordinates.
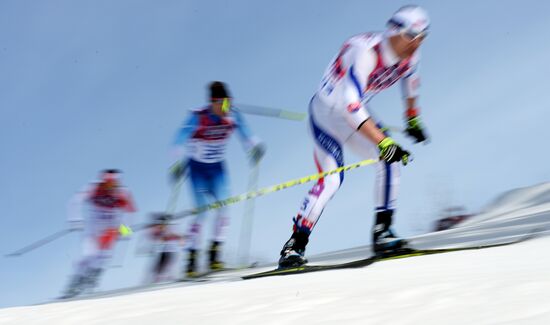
(340, 117)
(200, 150)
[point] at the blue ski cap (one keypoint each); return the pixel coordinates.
(411, 20)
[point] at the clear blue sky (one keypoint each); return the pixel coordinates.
(86, 85)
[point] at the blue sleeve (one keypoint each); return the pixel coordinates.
(187, 129)
(245, 134)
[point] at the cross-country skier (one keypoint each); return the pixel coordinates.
(205, 134)
(339, 114)
(106, 201)
(165, 245)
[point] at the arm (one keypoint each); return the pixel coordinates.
(371, 131)
(245, 135)
(410, 85)
(360, 62)
(253, 146)
(75, 218)
(184, 134)
(126, 204)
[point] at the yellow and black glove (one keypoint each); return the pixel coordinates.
(391, 152)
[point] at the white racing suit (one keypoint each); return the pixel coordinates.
(364, 66)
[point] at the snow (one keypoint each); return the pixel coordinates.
(503, 285)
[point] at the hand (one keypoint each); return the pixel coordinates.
(177, 170)
(391, 152)
(125, 231)
(256, 153)
(415, 130)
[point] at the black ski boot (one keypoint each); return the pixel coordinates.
(92, 279)
(293, 251)
(76, 287)
(191, 268)
(214, 253)
(384, 241)
(82, 283)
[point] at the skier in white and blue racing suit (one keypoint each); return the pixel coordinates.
(340, 117)
(200, 144)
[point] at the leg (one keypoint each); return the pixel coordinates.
(220, 191)
(200, 188)
(321, 193)
(385, 194)
(77, 283)
(105, 243)
(328, 155)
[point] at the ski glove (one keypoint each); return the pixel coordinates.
(391, 152)
(256, 153)
(414, 126)
(124, 230)
(177, 171)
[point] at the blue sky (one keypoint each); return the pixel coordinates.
(87, 85)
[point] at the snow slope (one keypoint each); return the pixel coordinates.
(504, 285)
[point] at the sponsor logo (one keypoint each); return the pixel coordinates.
(354, 107)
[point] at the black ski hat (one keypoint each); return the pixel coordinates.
(218, 90)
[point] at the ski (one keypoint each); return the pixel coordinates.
(402, 253)
(205, 276)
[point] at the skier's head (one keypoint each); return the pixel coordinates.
(109, 179)
(407, 28)
(220, 98)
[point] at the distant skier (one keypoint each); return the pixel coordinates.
(205, 134)
(339, 114)
(165, 245)
(106, 201)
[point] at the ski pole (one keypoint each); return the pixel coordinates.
(248, 217)
(271, 112)
(392, 128)
(265, 190)
(40, 243)
(173, 201)
(288, 115)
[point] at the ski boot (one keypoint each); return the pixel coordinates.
(214, 254)
(191, 270)
(92, 278)
(75, 287)
(384, 240)
(292, 254)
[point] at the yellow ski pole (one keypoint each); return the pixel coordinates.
(270, 189)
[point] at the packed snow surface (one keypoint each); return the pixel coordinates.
(503, 285)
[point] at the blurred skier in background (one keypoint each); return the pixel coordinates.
(106, 202)
(339, 115)
(200, 147)
(165, 245)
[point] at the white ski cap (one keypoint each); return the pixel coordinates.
(410, 19)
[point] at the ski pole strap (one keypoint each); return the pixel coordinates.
(270, 189)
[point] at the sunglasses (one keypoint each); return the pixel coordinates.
(412, 36)
(224, 101)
